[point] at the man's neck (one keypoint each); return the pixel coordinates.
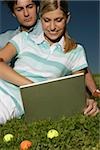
(24, 29)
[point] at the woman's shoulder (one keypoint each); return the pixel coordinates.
(77, 50)
(36, 38)
(79, 47)
(23, 34)
(20, 36)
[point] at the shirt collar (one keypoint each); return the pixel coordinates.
(39, 39)
(18, 30)
(30, 30)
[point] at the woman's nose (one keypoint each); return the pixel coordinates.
(52, 26)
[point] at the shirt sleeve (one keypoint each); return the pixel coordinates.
(78, 59)
(4, 38)
(19, 41)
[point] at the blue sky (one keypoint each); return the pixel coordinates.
(83, 27)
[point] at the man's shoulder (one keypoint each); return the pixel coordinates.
(6, 36)
(9, 33)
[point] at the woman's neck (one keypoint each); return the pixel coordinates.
(50, 41)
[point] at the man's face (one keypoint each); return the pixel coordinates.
(25, 12)
(53, 23)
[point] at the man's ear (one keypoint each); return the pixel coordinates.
(38, 9)
(38, 12)
(13, 15)
(68, 17)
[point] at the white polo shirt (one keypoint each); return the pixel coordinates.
(39, 61)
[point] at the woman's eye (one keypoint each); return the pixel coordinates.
(46, 20)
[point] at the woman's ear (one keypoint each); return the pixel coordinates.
(68, 17)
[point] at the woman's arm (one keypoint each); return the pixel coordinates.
(10, 75)
(6, 72)
(8, 52)
(91, 108)
(90, 83)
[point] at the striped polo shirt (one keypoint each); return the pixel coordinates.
(39, 61)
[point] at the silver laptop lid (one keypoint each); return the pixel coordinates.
(55, 98)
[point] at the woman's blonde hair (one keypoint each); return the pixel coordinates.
(51, 5)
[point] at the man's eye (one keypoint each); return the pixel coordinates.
(30, 6)
(19, 9)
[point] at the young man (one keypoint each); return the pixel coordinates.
(25, 12)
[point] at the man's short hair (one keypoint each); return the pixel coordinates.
(11, 3)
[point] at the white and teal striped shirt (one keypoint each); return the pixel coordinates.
(39, 61)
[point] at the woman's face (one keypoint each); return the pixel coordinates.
(53, 24)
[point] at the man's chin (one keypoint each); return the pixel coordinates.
(26, 27)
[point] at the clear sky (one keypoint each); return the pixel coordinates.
(83, 27)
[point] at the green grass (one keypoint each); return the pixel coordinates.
(75, 133)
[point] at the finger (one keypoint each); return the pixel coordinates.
(96, 112)
(91, 108)
(88, 109)
(92, 112)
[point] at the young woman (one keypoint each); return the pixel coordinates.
(51, 55)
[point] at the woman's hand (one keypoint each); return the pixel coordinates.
(91, 108)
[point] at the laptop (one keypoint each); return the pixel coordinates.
(52, 99)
